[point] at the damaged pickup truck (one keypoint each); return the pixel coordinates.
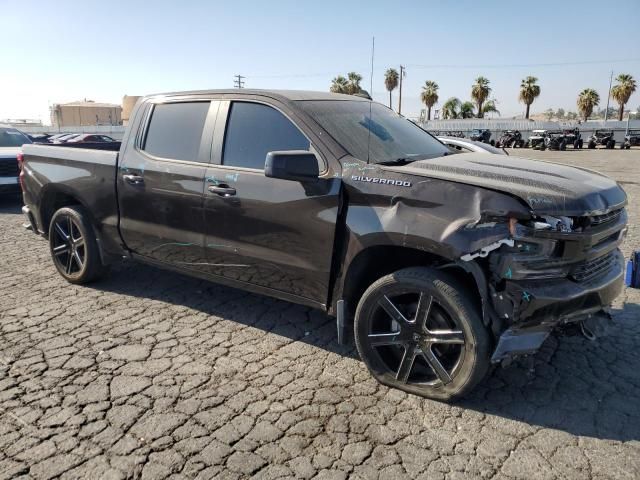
(441, 263)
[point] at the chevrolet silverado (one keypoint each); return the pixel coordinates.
(441, 263)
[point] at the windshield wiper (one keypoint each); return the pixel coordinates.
(406, 160)
(397, 161)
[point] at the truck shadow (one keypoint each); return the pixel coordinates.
(582, 387)
(574, 385)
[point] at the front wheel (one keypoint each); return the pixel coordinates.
(418, 331)
(73, 245)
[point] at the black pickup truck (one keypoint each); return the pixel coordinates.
(441, 263)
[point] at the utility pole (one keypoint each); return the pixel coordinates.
(238, 82)
(402, 73)
(606, 112)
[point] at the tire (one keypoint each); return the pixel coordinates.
(442, 366)
(543, 147)
(612, 144)
(580, 143)
(73, 246)
(591, 145)
(492, 143)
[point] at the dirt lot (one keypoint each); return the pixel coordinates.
(150, 374)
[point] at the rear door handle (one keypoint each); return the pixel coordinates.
(133, 179)
(223, 191)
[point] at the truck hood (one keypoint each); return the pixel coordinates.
(547, 188)
(9, 152)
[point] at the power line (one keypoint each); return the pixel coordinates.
(238, 82)
(520, 65)
(462, 66)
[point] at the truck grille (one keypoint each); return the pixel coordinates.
(592, 268)
(607, 217)
(9, 167)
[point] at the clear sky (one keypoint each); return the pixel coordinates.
(66, 50)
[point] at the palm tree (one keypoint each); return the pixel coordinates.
(391, 81)
(622, 91)
(490, 107)
(339, 85)
(479, 93)
(353, 83)
(466, 110)
(450, 108)
(587, 99)
(529, 91)
(429, 95)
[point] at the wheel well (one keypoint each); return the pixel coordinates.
(376, 262)
(51, 202)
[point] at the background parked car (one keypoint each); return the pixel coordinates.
(11, 141)
(481, 135)
(536, 139)
(631, 139)
(573, 137)
(510, 138)
(602, 137)
(90, 137)
(64, 138)
(463, 145)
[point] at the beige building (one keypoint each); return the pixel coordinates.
(85, 113)
(128, 102)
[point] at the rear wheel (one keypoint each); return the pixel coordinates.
(73, 245)
(591, 145)
(417, 331)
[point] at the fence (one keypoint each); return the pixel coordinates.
(526, 126)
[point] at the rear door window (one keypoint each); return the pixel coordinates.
(253, 130)
(175, 130)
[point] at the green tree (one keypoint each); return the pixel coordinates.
(391, 81)
(587, 99)
(529, 91)
(429, 95)
(480, 92)
(560, 114)
(338, 85)
(466, 110)
(490, 107)
(353, 83)
(549, 113)
(450, 108)
(622, 91)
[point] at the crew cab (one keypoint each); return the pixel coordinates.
(441, 264)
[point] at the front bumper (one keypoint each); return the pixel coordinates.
(9, 185)
(542, 305)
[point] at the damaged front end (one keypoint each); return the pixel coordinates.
(551, 271)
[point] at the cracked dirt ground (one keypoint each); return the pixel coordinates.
(149, 374)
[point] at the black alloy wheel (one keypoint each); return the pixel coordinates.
(68, 246)
(73, 245)
(416, 331)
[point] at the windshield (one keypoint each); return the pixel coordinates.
(382, 136)
(10, 137)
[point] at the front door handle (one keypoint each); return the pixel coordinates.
(222, 190)
(133, 179)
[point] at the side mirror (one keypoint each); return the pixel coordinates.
(297, 165)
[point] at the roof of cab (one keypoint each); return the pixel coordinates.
(283, 95)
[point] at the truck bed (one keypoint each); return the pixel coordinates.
(53, 172)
